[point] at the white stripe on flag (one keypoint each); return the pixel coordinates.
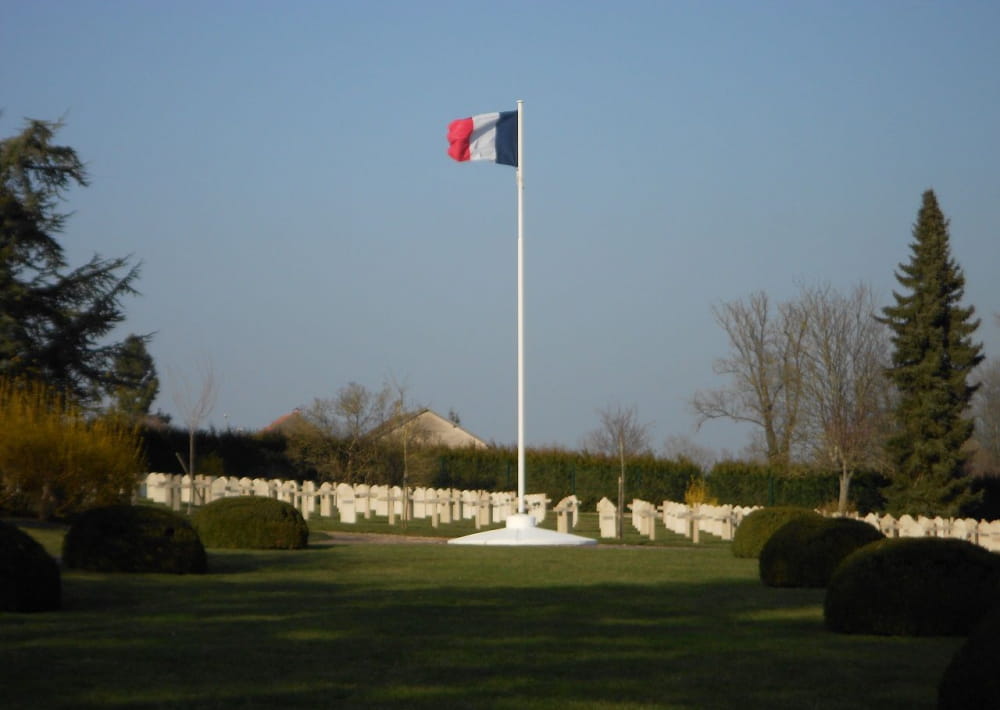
(483, 141)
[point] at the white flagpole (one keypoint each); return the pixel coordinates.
(521, 528)
(520, 307)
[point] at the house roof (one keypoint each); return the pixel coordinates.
(284, 421)
(434, 429)
(427, 426)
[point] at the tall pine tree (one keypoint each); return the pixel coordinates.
(932, 360)
(54, 321)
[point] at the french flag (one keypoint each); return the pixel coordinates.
(488, 136)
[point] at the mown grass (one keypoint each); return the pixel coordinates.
(588, 526)
(431, 626)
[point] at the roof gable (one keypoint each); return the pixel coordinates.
(429, 427)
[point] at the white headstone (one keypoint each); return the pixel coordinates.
(325, 495)
(444, 505)
(537, 505)
(362, 499)
(607, 518)
(566, 512)
(419, 503)
(483, 514)
(345, 504)
(217, 489)
(156, 488)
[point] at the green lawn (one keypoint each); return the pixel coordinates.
(439, 626)
(588, 526)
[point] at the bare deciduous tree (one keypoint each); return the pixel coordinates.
(194, 405)
(683, 447)
(765, 371)
(986, 409)
(847, 393)
(407, 432)
(361, 412)
(337, 437)
(313, 438)
(621, 435)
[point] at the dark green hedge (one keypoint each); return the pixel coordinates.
(251, 523)
(560, 473)
(913, 587)
(987, 506)
(747, 483)
(222, 453)
(592, 476)
(972, 681)
(29, 577)
(805, 551)
(758, 527)
(124, 538)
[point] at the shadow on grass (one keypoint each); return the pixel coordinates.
(380, 629)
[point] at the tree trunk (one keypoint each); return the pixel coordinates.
(845, 484)
(621, 490)
(46, 503)
(190, 470)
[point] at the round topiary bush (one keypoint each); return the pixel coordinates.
(971, 681)
(29, 577)
(912, 587)
(805, 551)
(125, 538)
(758, 527)
(251, 523)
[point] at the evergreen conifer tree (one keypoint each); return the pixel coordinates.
(54, 321)
(932, 360)
(135, 383)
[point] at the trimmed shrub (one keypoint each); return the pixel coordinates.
(971, 681)
(757, 528)
(251, 523)
(804, 552)
(29, 577)
(124, 538)
(912, 587)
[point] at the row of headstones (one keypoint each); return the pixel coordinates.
(679, 518)
(718, 520)
(352, 502)
(722, 521)
(980, 532)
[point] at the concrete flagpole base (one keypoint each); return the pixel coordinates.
(521, 530)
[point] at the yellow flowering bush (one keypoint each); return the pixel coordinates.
(55, 460)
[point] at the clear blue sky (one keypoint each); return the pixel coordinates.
(280, 170)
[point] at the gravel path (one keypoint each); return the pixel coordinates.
(344, 538)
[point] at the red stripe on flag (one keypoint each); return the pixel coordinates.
(459, 132)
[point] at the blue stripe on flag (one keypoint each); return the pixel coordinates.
(507, 138)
